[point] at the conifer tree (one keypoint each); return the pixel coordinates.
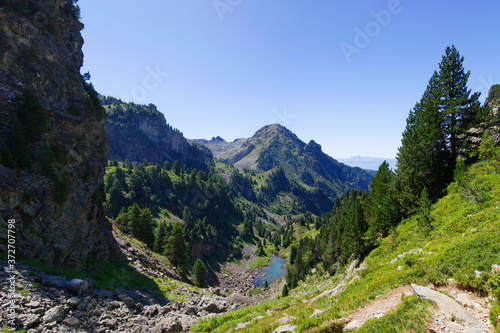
(383, 207)
(145, 233)
(456, 103)
(285, 291)
(433, 138)
(176, 248)
(200, 272)
(116, 200)
(134, 215)
(161, 233)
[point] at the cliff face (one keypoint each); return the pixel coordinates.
(138, 132)
(55, 196)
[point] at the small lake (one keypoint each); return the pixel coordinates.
(274, 271)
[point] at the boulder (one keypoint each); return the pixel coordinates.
(129, 302)
(286, 320)
(285, 328)
(55, 314)
(71, 321)
(31, 320)
(54, 281)
(167, 325)
(77, 286)
(447, 305)
(241, 326)
(353, 325)
(74, 301)
(151, 310)
(108, 322)
(465, 300)
(213, 307)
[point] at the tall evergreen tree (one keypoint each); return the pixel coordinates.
(145, 233)
(161, 233)
(383, 207)
(200, 272)
(176, 249)
(456, 103)
(134, 216)
(433, 137)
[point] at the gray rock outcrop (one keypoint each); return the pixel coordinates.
(41, 48)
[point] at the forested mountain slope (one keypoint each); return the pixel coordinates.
(140, 132)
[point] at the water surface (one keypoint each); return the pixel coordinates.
(274, 271)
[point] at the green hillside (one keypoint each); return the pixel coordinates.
(464, 240)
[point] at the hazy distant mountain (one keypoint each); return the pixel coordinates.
(218, 145)
(275, 145)
(370, 163)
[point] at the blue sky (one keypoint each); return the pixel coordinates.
(344, 73)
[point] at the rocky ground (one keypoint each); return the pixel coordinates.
(237, 277)
(47, 303)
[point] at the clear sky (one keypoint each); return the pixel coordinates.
(344, 73)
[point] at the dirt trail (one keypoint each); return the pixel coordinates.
(379, 307)
(441, 322)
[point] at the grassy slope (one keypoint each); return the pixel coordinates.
(465, 239)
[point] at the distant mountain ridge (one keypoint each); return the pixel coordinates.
(275, 145)
(369, 163)
(140, 132)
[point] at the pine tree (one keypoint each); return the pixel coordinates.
(434, 134)
(146, 227)
(134, 215)
(456, 103)
(176, 249)
(176, 167)
(200, 272)
(285, 291)
(122, 219)
(383, 207)
(266, 285)
(352, 242)
(116, 199)
(161, 233)
(424, 210)
(423, 157)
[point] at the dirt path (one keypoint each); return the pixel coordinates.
(379, 307)
(441, 322)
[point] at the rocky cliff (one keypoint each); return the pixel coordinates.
(138, 132)
(52, 137)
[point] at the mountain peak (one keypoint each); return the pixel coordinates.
(313, 147)
(217, 139)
